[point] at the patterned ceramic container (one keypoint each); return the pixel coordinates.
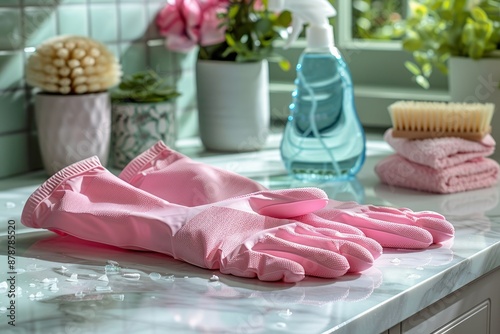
(138, 126)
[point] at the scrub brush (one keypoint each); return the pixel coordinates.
(420, 120)
(72, 65)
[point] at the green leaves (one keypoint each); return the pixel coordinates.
(438, 29)
(250, 34)
(143, 87)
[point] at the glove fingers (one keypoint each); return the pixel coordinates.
(391, 235)
(358, 257)
(369, 244)
(440, 229)
(315, 261)
(266, 267)
(323, 222)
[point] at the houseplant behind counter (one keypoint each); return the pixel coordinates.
(71, 76)
(461, 38)
(143, 113)
(235, 40)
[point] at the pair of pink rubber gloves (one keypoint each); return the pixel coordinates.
(221, 220)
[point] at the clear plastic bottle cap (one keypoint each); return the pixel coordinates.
(319, 36)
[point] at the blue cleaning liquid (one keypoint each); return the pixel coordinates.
(323, 138)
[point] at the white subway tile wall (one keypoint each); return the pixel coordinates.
(126, 27)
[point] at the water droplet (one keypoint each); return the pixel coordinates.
(186, 276)
(285, 314)
(3, 286)
(3, 309)
(92, 275)
(32, 296)
(280, 325)
(54, 287)
(32, 267)
(413, 276)
(32, 285)
(48, 281)
(10, 205)
(420, 268)
(214, 278)
(111, 269)
(20, 270)
(39, 294)
(118, 297)
(79, 294)
(113, 263)
(103, 278)
(154, 276)
(132, 276)
(396, 261)
(73, 278)
(102, 288)
(169, 278)
(64, 269)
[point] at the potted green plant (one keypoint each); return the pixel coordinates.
(71, 76)
(234, 41)
(142, 114)
(461, 39)
(438, 30)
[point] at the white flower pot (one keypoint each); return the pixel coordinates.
(477, 81)
(138, 126)
(233, 104)
(72, 128)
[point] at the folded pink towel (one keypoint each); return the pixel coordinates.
(398, 171)
(440, 153)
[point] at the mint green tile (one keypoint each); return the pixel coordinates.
(133, 22)
(73, 20)
(14, 148)
(160, 60)
(12, 111)
(183, 61)
(39, 25)
(10, 2)
(11, 70)
(104, 22)
(113, 48)
(62, 2)
(40, 2)
(186, 85)
(10, 28)
(133, 57)
(153, 10)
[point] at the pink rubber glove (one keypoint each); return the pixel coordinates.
(170, 175)
(87, 201)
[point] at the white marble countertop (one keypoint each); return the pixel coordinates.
(185, 300)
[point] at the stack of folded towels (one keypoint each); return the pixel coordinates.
(439, 165)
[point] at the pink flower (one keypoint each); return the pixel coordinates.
(187, 23)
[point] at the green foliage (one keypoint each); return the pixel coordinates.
(438, 29)
(377, 19)
(250, 34)
(143, 87)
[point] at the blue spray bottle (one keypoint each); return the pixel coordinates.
(323, 137)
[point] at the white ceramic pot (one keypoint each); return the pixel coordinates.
(477, 81)
(233, 104)
(72, 127)
(138, 126)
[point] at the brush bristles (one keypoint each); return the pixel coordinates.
(440, 117)
(72, 65)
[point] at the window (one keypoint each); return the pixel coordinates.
(367, 32)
